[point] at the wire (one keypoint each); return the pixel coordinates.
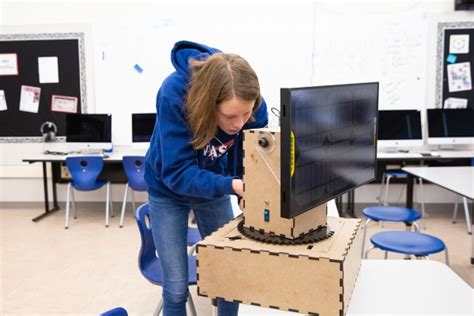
(261, 151)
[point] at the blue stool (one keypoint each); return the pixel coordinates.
(397, 173)
(390, 214)
(408, 243)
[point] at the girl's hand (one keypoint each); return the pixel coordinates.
(238, 187)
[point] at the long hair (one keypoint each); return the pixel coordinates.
(217, 79)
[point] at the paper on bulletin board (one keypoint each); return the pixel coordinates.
(459, 77)
(3, 101)
(29, 99)
(48, 69)
(62, 103)
(459, 44)
(455, 103)
(8, 65)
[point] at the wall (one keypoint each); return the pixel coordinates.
(288, 43)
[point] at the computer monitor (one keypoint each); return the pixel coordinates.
(398, 128)
(142, 127)
(329, 143)
(450, 126)
(89, 131)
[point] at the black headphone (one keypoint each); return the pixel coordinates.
(48, 130)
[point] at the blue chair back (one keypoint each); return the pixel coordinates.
(148, 262)
(134, 167)
(119, 311)
(84, 171)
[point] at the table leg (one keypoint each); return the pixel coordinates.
(48, 211)
(409, 201)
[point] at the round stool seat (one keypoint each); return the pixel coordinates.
(391, 214)
(397, 173)
(412, 243)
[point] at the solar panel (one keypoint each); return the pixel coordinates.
(329, 143)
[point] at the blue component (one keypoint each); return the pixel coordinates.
(451, 58)
(138, 68)
(266, 215)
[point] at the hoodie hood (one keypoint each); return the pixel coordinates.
(184, 50)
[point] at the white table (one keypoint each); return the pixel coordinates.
(55, 160)
(402, 287)
(459, 180)
(425, 154)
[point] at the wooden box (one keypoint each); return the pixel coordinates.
(315, 279)
(262, 189)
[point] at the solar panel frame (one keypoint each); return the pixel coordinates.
(291, 144)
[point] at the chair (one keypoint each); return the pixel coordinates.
(118, 311)
(384, 187)
(409, 243)
(84, 172)
(390, 214)
(134, 167)
(149, 262)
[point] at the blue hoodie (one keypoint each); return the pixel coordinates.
(173, 168)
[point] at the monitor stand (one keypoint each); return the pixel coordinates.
(446, 147)
(390, 149)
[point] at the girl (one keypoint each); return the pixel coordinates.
(195, 155)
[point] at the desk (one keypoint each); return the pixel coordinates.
(419, 154)
(459, 180)
(403, 287)
(55, 161)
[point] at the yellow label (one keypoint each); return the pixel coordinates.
(292, 154)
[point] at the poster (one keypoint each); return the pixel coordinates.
(29, 99)
(459, 77)
(61, 103)
(8, 65)
(48, 69)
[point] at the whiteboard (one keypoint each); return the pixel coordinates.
(366, 42)
(275, 40)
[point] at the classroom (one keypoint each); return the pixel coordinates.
(261, 157)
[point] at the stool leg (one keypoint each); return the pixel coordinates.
(107, 204)
(468, 216)
(446, 256)
(422, 202)
(385, 199)
(158, 309)
(417, 227)
(379, 198)
(191, 305)
(133, 199)
(73, 200)
(111, 201)
(66, 219)
(363, 237)
(124, 205)
(367, 251)
(455, 212)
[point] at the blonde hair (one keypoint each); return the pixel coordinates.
(217, 79)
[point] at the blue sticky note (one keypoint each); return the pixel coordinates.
(138, 68)
(451, 58)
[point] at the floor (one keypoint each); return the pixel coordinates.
(87, 269)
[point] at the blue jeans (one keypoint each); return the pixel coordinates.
(169, 222)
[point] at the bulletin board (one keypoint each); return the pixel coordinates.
(52, 62)
(455, 65)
